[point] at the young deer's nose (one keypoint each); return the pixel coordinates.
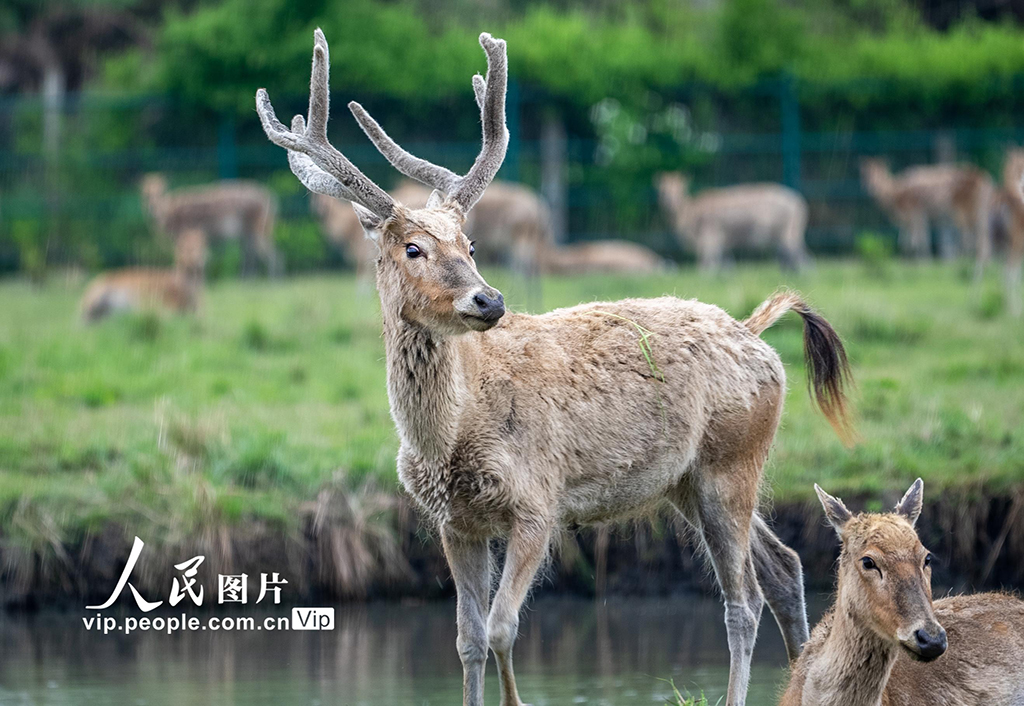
(491, 308)
(930, 644)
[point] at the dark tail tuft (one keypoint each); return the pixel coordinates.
(827, 366)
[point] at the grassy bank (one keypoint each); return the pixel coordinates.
(271, 405)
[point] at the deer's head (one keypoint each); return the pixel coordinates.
(885, 574)
(425, 272)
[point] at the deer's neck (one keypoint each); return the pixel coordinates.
(191, 280)
(682, 209)
(852, 667)
(426, 388)
(883, 185)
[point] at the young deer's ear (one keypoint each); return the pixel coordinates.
(436, 199)
(835, 511)
(370, 222)
(913, 500)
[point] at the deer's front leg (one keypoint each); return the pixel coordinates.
(527, 548)
(470, 563)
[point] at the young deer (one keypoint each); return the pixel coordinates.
(178, 290)
(881, 643)
(511, 425)
(718, 221)
(226, 210)
(916, 196)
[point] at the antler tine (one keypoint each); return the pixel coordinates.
(313, 177)
(495, 134)
(490, 98)
(479, 91)
(408, 164)
(325, 169)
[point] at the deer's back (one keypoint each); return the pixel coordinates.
(612, 402)
(748, 212)
(211, 207)
(983, 665)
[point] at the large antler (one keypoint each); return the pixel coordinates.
(490, 96)
(314, 160)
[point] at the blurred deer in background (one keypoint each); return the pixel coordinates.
(511, 425)
(882, 643)
(510, 221)
(178, 289)
(1010, 201)
(225, 210)
(716, 222)
(602, 256)
(916, 197)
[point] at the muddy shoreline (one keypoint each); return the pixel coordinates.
(977, 537)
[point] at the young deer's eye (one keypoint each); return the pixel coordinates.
(927, 560)
(412, 251)
(472, 247)
(868, 563)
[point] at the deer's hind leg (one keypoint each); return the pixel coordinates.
(719, 501)
(781, 578)
(470, 563)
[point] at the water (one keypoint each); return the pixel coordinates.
(616, 652)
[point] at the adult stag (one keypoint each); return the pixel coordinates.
(513, 424)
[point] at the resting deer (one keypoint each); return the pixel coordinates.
(883, 642)
(602, 256)
(718, 221)
(177, 290)
(226, 210)
(511, 425)
(510, 221)
(919, 195)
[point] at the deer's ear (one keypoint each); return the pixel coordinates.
(436, 199)
(370, 221)
(910, 506)
(835, 511)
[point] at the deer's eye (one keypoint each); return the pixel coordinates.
(868, 563)
(412, 251)
(472, 247)
(927, 560)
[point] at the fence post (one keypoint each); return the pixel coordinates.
(227, 149)
(512, 105)
(553, 158)
(790, 112)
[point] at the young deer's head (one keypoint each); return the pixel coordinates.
(885, 574)
(425, 272)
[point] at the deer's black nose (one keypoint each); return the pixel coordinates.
(930, 643)
(491, 308)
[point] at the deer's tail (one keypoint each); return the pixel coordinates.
(828, 368)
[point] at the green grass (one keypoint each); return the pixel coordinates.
(277, 387)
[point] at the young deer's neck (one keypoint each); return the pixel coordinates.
(852, 667)
(426, 386)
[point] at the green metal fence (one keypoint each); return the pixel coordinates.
(80, 203)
